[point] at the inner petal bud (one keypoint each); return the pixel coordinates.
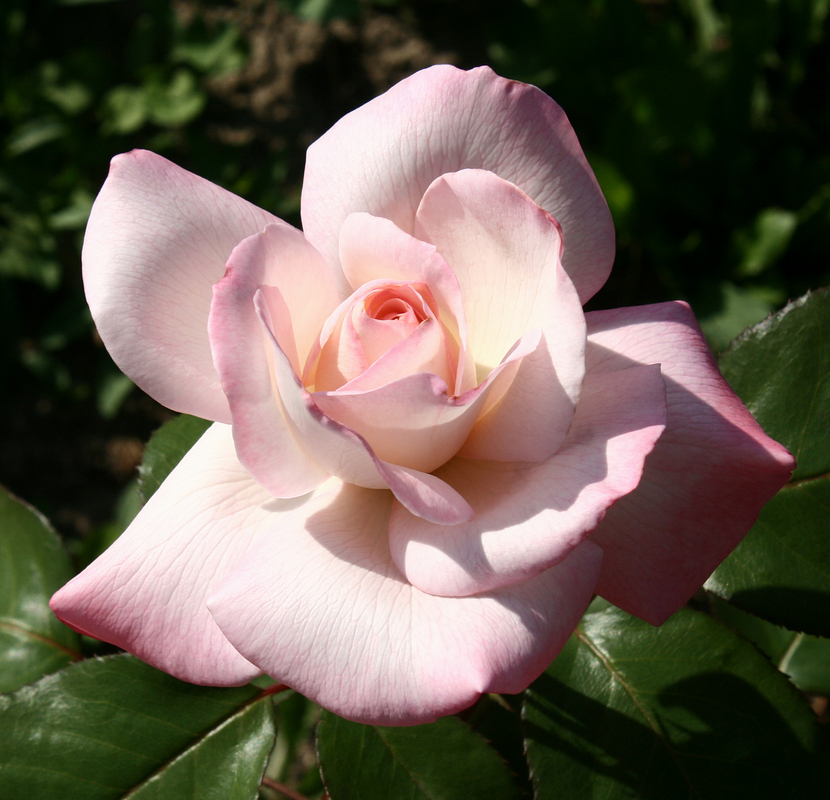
(386, 318)
(385, 331)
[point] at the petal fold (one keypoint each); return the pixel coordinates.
(443, 120)
(413, 422)
(322, 608)
(505, 251)
(344, 453)
(707, 479)
(264, 440)
(157, 240)
(529, 517)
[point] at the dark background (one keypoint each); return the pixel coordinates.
(706, 122)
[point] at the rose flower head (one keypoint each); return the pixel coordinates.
(426, 458)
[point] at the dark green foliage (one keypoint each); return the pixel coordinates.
(33, 565)
(706, 122)
(115, 727)
(445, 760)
(685, 710)
(781, 370)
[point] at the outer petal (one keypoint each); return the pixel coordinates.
(372, 248)
(322, 608)
(344, 453)
(505, 251)
(442, 120)
(157, 240)
(147, 592)
(705, 482)
(241, 351)
(528, 517)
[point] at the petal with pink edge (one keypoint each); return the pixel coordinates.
(443, 120)
(529, 517)
(157, 240)
(346, 454)
(279, 255)
(707, 479)
(505, 251)
(146, 593)
(322, 608)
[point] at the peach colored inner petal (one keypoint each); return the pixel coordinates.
(385, 318)
(385, 331)
(373, 248)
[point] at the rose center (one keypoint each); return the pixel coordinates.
(399, 303)
(396, 324)
(387, 317)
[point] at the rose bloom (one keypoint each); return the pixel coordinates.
(426, 459)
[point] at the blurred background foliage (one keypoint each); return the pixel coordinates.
(706, 121)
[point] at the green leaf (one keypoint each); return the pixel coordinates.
(33, 565)
(33, 134)
(166, 448)
(218, 55)
(127, 506)
(75, 215)
(805, 659)
(762, 246)
(322, 11)
(444, 760)
(297, 718)
(498, 719)
(619, 193)
(113, 389)
(740, 307)
(174, 103)
(685, 710)
(115, 727)
(781, 571)
(781, 370)
(126, 109)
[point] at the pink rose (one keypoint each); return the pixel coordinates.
(426, 457)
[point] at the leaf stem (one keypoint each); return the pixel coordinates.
(283, 789)
(274, 688)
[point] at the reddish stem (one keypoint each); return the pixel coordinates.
(274, 688)
(281, 787)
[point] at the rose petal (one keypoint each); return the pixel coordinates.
(341, 361)
(346, 454)
(423, 352)
(387, 318)
(528, 517)
(504, 250)
(372, 248)
(322, 608)
(412, 421)
(443, 120)
(705, 482)
(157, 240)
(146, 592)
(241, 351)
